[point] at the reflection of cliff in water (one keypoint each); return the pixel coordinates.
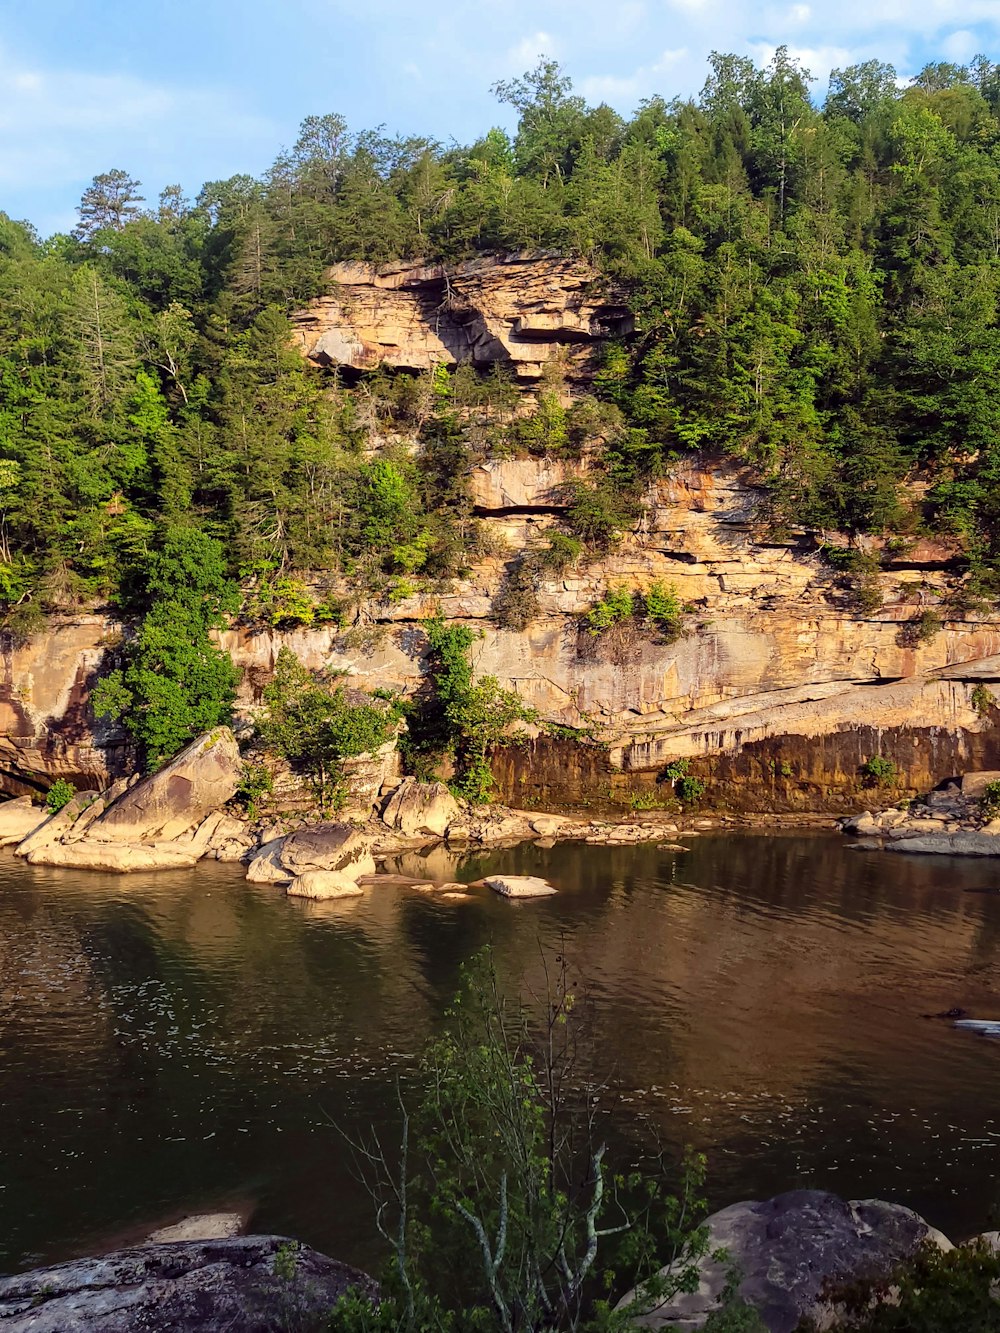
(168, 1040)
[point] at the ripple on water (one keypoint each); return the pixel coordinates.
(171, 1041)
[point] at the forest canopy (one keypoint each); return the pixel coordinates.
(815, 286)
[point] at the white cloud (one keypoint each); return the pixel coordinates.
(60, 127)
(529, 50)
(629, 89)
(960, 46)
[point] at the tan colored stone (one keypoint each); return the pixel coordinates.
(56, 826)
(974, 784)
(19, 818)
(321, 884)
(203, 777)
(115, 857)
(416, 808)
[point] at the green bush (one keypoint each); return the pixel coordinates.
(255, 783)
(879, 772)
(499, 1207)
(617, 605)
(989, 802)
(662, 609)
(982, 700)
(60, 793)
(315, 726)
(689, 788)
(936, 1292)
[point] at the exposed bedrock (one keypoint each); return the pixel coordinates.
(777, 692)
(517, 310)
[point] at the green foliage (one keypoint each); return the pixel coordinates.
(879, 772)
(176, 683)
(256, 782)
(982, 700)
(658, 609)
(501, 1211)
(59, 794)
(316, 726)
(617, 605)
(687, 788)
(936, 1291)
(989, 802)
(814, 291)
(459, 715)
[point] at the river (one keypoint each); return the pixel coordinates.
(186, 1041)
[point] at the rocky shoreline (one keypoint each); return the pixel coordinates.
(957, 819)
(793, 1252)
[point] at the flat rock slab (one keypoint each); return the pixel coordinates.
(949, 844)
(183, 1287)
(519, 886)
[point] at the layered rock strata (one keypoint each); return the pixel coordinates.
(777, 692)
(519, 311)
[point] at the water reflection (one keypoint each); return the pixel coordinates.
(167, 1042)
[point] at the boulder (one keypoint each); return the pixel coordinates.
(186, 1287)
(18, 818)
(416, 808)
(519, 886)
(965, 843)
(787, 1250)
(332, 846)
(320, 884)
(204, 776)
(56, 826)
(974, 784)
(117, 858)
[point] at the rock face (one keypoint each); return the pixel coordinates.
(519, 310)
(204, 776)
(787, 1248)
(334, 847)
(777, 693)
(186, 1287)
(417, 808)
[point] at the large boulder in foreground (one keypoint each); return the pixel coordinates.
(418, 809)
(787, 1249)
(330, 846)
(204, 776)
(186, 1287)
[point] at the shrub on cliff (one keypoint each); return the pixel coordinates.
(314, 725)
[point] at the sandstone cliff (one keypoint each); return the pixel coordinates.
(778, 690)
(517, 310)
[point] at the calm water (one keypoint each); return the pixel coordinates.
(178, 1042)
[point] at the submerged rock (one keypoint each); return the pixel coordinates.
(788, 1249)
(246, 1284)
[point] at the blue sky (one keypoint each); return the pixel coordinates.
(193, 90)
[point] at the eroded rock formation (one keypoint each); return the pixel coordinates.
(777, 692)
(517, 310)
